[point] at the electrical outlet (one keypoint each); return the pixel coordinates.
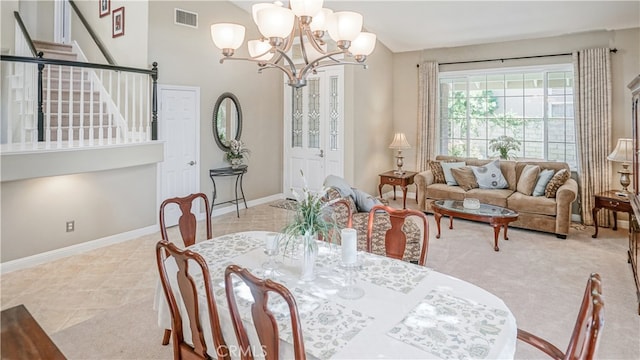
(71, 225)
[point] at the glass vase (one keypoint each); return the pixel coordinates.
(309, 256)
(236, 163)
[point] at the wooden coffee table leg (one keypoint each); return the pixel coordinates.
(505, 231)
(450, 222)
(437, 217)
(496, 235)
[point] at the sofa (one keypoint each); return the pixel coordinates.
(360, 219)
(548, 214)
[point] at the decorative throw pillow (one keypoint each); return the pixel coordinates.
(446, 168)
(465, 178)
(438, 173)
(556, 181)
(543, 180)
(528, 179)
(364, 201)
(489, 176)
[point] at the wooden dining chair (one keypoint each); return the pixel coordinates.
(586, 333)
(263, 319)
(187, 224)
(187, 290)
(395, 239)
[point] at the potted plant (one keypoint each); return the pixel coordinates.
(505, 145)
(237, 152)
(310, 220)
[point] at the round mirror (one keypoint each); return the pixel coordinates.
(227, 120)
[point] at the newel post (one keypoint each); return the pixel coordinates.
(40, 100)
(154, 109)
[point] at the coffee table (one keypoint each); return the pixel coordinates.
(497, 216)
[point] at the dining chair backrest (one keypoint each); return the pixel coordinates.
(187, 289)
(187, 222)
(586, 333)
(264, 321)
(395, 239)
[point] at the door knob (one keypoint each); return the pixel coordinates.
(191, 163)
(321, 153)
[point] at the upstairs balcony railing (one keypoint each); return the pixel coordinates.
(54, 103)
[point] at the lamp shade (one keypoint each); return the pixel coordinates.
(623, 151)
(227, 36)
(275, 21)
(319, 22)
(399, 142)
(259, 50)
(344, 25)
(363, 44)
(305, 7)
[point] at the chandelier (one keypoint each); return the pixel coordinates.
(304, 22)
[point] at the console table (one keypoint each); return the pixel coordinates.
(612, 201)
(238, 172)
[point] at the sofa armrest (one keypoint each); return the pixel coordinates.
(422, 180)
(565, 196)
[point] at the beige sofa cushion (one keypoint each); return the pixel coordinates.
(528, 179)
(465, 178)
(496, 197)
(532, 204)
(445, 192)
(508, 167)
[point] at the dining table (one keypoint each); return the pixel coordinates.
(407, 311)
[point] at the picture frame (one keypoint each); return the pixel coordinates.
(104, 7)
(117, 22)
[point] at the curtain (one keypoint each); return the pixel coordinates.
(427, 114)
(592, 103)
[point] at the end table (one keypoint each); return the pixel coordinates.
(612, 201)
(402, 180)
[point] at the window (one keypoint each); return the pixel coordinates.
(532, 105)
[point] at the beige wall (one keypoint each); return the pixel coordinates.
(187, 56)
(625, 66)
(35, 211)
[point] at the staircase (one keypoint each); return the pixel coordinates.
(73, 109)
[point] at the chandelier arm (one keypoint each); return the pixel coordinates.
(342, 63)
(288, 42)
(316, 63)
(264, 65)
(303, 49)
(292, 66)
(313, 41)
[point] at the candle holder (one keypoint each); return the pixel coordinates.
(270, 267)
(350, 291)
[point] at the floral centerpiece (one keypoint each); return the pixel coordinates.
(310, 220)
(504, 145)
(237, 152)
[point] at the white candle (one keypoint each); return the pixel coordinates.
(349, 245)
(271, 241)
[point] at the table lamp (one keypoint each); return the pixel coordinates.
(623, 153)
(399, 142)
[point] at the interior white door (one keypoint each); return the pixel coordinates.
(179, 114)
(62, 22)
(314, 131)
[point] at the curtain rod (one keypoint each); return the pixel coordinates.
(614, 50)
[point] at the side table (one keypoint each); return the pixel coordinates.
(402, 180)
(611, 201)
(238, 172)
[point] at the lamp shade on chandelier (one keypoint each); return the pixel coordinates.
(305, 22)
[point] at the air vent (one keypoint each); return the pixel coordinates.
(186, 18)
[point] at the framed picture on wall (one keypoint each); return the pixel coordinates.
(105, 7)
(117, 22)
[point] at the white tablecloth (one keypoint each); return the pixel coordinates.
(408, 311)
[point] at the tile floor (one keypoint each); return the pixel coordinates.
(68, 291)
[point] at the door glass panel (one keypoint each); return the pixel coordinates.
(296, 126)
(314, 113)
(333, 113)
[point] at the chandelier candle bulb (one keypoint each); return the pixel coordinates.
(349, 246)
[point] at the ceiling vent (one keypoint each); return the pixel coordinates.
(186, 18)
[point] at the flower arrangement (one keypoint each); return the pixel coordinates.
(504, 145)
(237, 150)
(310, 215)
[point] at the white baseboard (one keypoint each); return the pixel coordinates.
(56, 254)
(33, 260)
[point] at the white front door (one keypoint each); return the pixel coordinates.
(179, 114)
(314, 125)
